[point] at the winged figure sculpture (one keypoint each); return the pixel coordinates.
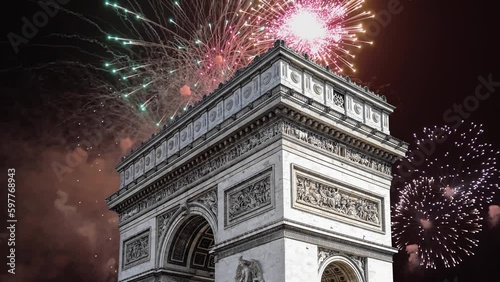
(248, 271)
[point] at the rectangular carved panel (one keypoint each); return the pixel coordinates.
(136, 250)
(329, 198)
(249, 198)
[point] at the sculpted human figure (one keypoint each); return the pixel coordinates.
(248, 271)
(245, 274)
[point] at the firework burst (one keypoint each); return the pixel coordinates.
(167, 55)
(326, 30)
(444, 227)
(173, 53)
(451, 180)
(457, 158)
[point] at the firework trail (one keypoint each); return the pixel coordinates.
(453, 179)
(444, 228)
(169, 54)
(457, 158)
(325, 30)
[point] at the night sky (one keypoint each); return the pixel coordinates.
(427, 58)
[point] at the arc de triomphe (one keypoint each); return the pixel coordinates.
(282, 174)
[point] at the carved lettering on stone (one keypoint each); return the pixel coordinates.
(248, 271)
(136, 250)
(334, 199)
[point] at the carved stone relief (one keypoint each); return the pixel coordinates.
(334, 147)
(338, 99)
(249, 197)
(243, 148)
(334, 200)
(324, 254)
(136, 250)
(209, 199)
(248, 271)
(162, 222)
(260, 137)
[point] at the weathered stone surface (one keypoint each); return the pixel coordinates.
(282, 174)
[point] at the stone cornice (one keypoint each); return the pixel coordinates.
(203, 161)
(366, 140)
(344, 83)
(333, 132)
(280, 51)
(305, 233)
(341, 127)
(236, 144)
(155, 275)
(202, 105)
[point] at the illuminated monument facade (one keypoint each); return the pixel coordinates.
(282, 174)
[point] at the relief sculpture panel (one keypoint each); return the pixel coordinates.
(243, 148)
(136, 250)
(249, 198)
(317, 194)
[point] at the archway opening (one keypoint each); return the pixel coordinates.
(338, 271)
(189, 250)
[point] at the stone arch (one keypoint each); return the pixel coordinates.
(340, 268)
(185, 247)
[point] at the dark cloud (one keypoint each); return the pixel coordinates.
(494, 214)
(65, 231)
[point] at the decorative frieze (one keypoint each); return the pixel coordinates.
(249, 198)
(331, 146)
(324, 254)
(326, 88)
(317, 194)
(203, 169)
(243, 148)
(136, 250)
